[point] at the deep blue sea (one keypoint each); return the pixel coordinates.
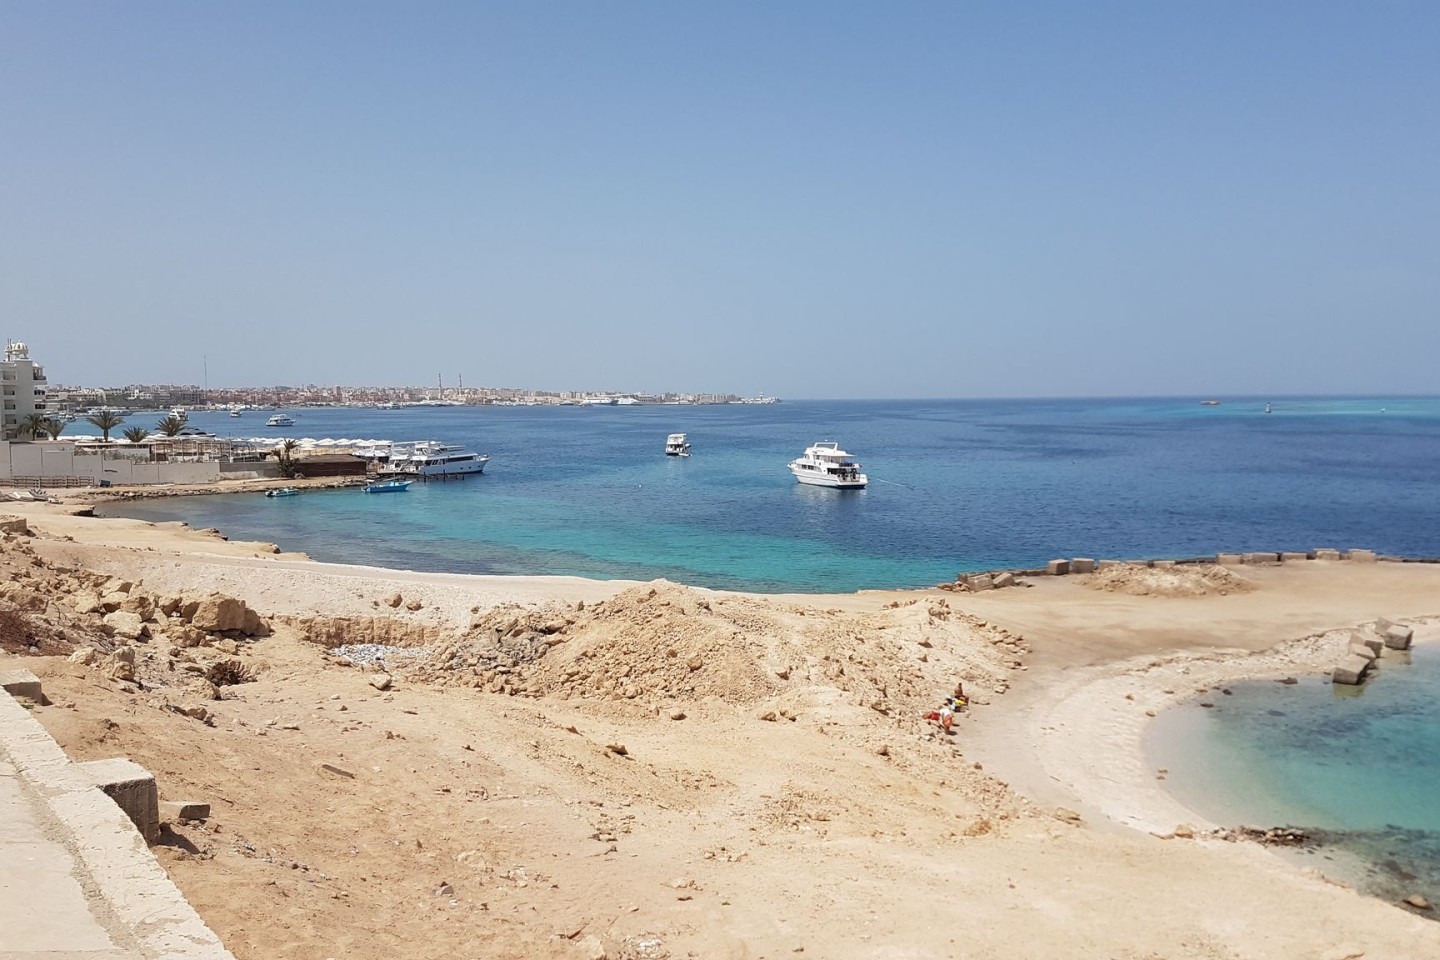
(955, 485)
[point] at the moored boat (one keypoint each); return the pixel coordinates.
(388, 486)
(824, 464)
(676, 445)
(282, 492)
(430, 458)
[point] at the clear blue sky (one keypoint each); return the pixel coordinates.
(821, 199)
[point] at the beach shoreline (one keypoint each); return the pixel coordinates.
(1057, 725)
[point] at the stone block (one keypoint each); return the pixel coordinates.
(982, 582)
(1057, 568)
(1386, 622)
(184, 810)
(1006, 579)
(1262, 557)
(1082, 565)
(22, 685)
(1230, 559)
(1326, 553)
(1398, 637)
(1351, 670)
(132, 787)
(1290, 556)
(1360, 556)
(1359, 649)
(1160, 563)
(16, 526)
(1373, 643)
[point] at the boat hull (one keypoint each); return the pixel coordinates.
(833, 483)
(458, 469)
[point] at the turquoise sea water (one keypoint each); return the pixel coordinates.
(955, 485)
(1361, 764)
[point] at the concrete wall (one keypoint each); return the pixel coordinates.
(60, 459)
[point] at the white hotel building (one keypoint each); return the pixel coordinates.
(23, 385)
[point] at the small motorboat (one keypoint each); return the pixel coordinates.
(282, 492)
(388, 486)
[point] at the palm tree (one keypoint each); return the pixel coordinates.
(136, 434)
(172, 424)
(34, 424)
(106, 420)
(286, 458)
(53, 427)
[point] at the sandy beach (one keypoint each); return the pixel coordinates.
(555, 767)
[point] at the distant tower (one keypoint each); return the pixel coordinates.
(22, 381)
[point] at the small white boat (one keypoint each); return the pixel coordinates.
(234, 413)
(388, 486)
(676, 445)
(280, 420)
(282, 492)
(824, 464)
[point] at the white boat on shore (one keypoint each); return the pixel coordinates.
(824, 464)
(676, 445)
(430, 458)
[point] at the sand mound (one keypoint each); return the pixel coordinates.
(1178, 581)
(660, 642)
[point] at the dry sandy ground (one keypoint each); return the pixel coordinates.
(467, 822)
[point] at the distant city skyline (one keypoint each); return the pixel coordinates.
(809, 200)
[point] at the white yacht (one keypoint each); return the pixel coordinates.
(280, 420)
(677, 446)
(824, 464)
(430, 458)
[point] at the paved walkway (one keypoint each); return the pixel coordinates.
(76, 879)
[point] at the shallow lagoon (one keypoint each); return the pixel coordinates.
(1359, 764)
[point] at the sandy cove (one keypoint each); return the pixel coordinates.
(476, 823)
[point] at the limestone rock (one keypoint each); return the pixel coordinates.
(126, 625)
(85, 656)
(88, 603)
(140, 604)
(1006, 579)
(1057, 568)
(111, 602)
(394, 600)
(380, 681)
(218, 613)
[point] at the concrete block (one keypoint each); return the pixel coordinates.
(1082, 565)
(1361, 556)
(1359, 649)
(1057, 568)
(1325, 553)
(16, 526)
(1230, 559)
(982, 582)
(1161, 563)
(1398, 637)
(132, 787)
(1290, 556)
(22, 685)
(1386, 622)
(1370, 641)
(1351, 670)
(184, 810)
(1006, 579)
(1262, 557)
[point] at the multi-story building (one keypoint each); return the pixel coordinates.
(23, 385)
